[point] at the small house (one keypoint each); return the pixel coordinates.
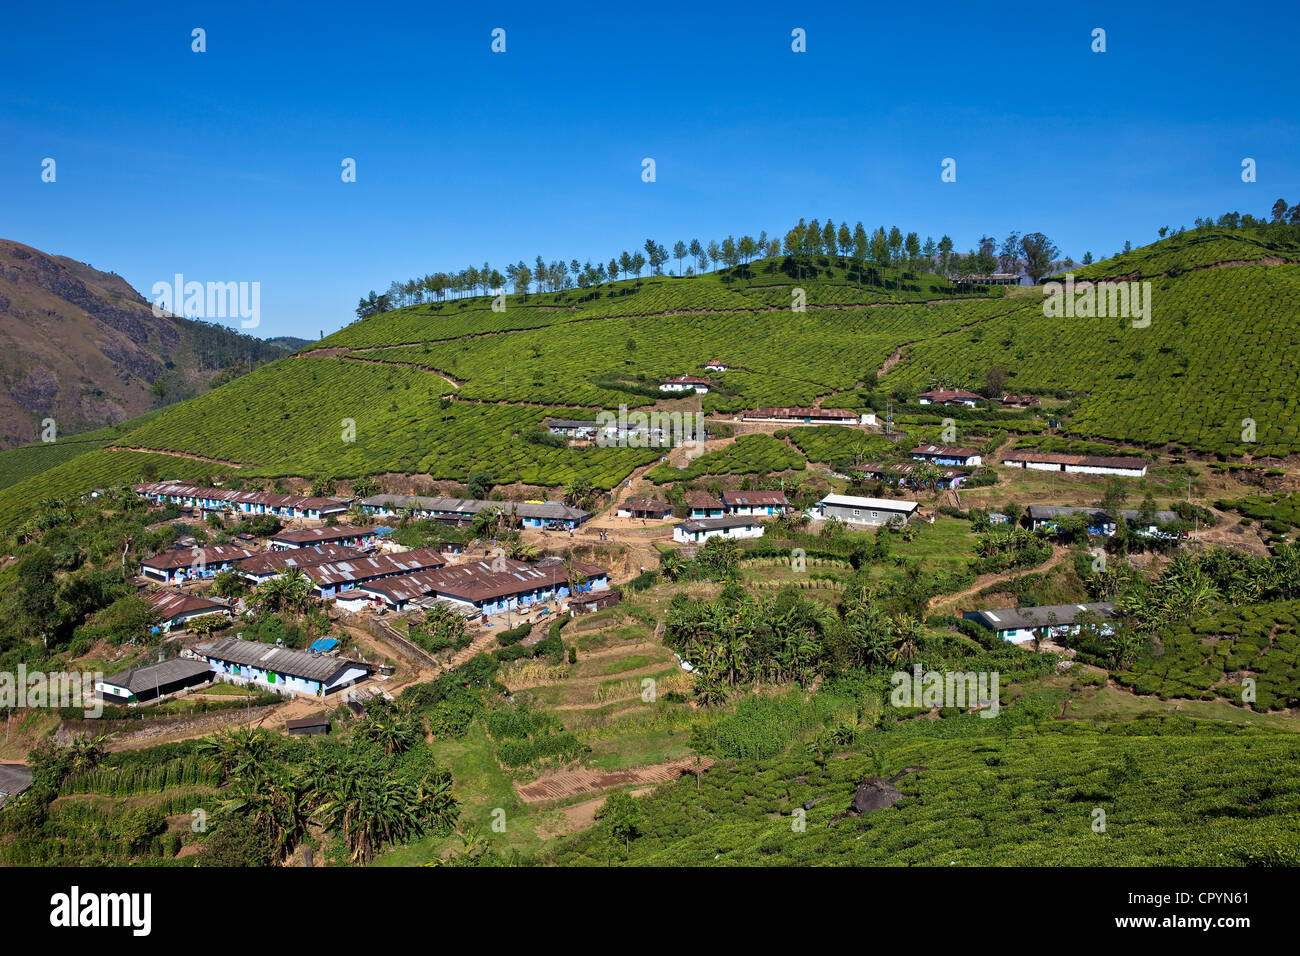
(644, 508)
(592, 601)
(865, 511)
(704, 505)
(948, 455)
(1024, 624)
(686, 383)
(698, 530)
(174, 609)
(308, 726)
(140, 684)
(949, 396)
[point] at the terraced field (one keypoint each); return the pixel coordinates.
(1221, 348)
(447, 388)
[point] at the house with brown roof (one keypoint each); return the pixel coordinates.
(269, 564)
(949, 396)
(175, 608)
(755, 502)
(348, 535)
(644, 508)
(329, 579)
(948, 455)
(703, 505)
(188, 564)
(1128, 466)
(492, 586)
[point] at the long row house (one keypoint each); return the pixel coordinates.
(490, 586)
(531, 514)
(242, 502)
(735, 514)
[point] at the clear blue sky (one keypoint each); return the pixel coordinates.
(225, 165)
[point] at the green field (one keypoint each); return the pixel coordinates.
(443, 388)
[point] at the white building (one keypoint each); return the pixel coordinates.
(1127, 466)
(867, 511)
(686, 383)
(698, 530)
(1054, 620)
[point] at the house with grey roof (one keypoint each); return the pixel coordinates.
(282, 669)
(699, 530)
(1050, 620)
(15, 778)
(531, 514)
(140, 684)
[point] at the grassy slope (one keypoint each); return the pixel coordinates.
(1218, 351)
(1174, 793)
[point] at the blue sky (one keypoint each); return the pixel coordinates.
(225, 165)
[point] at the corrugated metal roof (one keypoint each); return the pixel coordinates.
(314, 535)
(185, 557)
(1025, 618)
(302, 502)
(709, 524)
(281, 660)
(380, 565)
(171, 604)
(876, 504)
(548, 510)
(146, 678)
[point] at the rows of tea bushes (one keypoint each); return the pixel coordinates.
(1213, 657)
(1279, 513)
(756, 454)
(1173, 793)
(92, 470)
(789, 358)
(313, 416)
(1215, 358)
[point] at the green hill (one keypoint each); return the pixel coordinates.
(442, 388)
(1173, 792)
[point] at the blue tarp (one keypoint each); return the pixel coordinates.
(323, 644)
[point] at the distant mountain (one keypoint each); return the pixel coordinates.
(84, 348)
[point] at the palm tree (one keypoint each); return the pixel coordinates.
(290, 590)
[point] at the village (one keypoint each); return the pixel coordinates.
(341, 552)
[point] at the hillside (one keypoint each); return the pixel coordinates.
(82, 347)
(443, 388)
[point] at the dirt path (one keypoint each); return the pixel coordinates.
(950, 601)
(571, 783)
(892, 360)
(579, 816)
(175, 454)
(445, 376)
